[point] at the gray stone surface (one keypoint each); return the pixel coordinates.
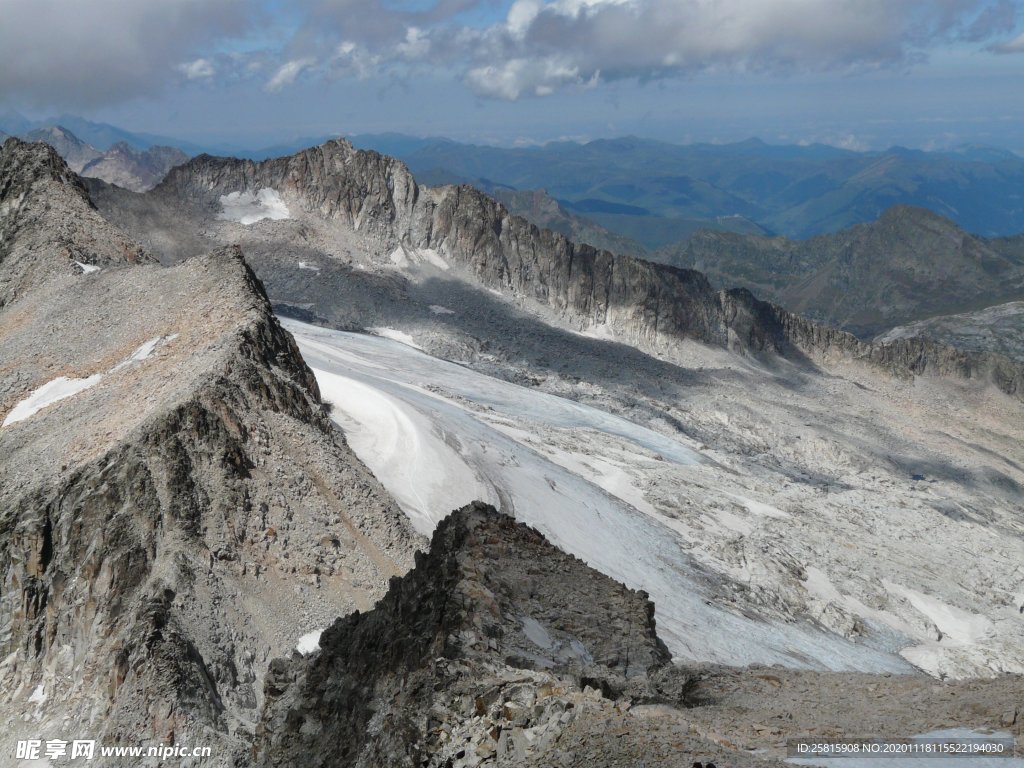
(166, 531)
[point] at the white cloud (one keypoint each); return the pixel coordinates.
(543, 46)
(352, 59)
(87, 54)
(416, 44)
(200, 69)
(287, 73)
(525, 77)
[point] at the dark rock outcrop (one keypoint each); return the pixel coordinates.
(483, 654)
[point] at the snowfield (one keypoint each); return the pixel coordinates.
(62, 387)
(439, 435)
(51, 392)
(249, 207)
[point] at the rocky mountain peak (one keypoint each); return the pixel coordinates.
(23, 163)
(491, 603)
(48, 224)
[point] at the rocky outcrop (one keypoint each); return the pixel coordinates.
(489, 652)
(652, 306)
(167, 529)
(48, 225)
(913, 356)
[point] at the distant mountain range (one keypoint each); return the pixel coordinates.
(649, 194)
(657, 193)
(121, 163)
(908, 265)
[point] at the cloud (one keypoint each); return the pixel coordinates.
(200, 69)
(73, 54)
(1010, 46)
(518, 77)
(542, 47)
(77, 54)
(287, 73)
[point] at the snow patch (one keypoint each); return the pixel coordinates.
(51, 392)
(248, 208)
(63, 387)
(404, 257)
(760, 509)
(87, 268)
(310, 267)
(309, 642)
(145, 351)
(395, 335)
(437, 309)
(960, 632)
(38, 695)
(954, 623)
(536, 633)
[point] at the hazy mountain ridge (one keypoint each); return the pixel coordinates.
(122, 163)
(798, 191)
(908, 265)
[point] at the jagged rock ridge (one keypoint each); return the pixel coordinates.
(649, 305)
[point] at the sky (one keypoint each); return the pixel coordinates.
(861, 74)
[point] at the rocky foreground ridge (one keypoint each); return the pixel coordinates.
(187, 512)
(649, 305)
(499, 650)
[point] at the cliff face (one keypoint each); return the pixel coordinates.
(184, 512)
(494, 650)
(648, 305)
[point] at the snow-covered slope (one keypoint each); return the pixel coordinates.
(438, 435)
(867, 572)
